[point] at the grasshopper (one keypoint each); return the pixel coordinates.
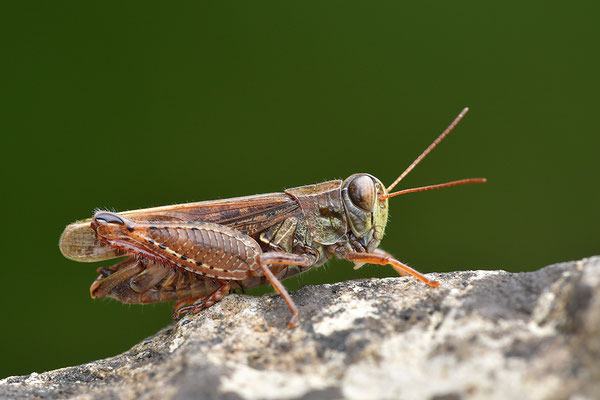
(196, 253)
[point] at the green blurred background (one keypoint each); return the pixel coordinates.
(127, 105)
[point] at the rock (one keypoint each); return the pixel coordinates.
(481, 335)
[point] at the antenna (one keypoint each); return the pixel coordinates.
(431, 187)
(428, 150)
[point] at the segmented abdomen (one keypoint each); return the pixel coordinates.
(134, 281)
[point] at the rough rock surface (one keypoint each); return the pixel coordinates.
(481, 335)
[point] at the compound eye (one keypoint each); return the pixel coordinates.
(362, 192)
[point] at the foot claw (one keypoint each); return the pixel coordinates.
(293, 321)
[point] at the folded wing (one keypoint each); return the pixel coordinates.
(249, 214)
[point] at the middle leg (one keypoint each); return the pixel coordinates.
(280, 258)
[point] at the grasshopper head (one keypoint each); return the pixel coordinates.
(366, 199)
(366, 207)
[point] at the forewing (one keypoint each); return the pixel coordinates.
(249, 214)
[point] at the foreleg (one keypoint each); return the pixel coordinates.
(380, 257)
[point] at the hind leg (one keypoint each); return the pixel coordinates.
(200, 303)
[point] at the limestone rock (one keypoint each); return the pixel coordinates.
(481, 335)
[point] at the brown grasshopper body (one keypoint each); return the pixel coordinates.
(197, 252)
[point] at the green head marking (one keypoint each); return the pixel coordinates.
(366, 207)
